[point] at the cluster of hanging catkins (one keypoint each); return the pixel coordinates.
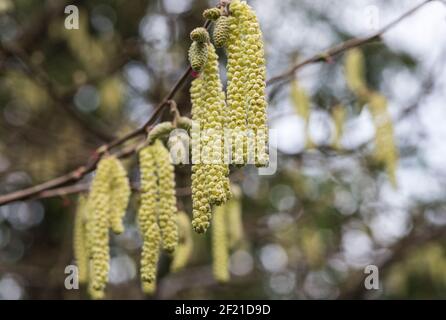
(103, 210)
(242, 110)
(231, 127)
(386, 152)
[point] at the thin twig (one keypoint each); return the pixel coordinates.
(344, 46)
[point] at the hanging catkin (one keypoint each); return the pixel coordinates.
(209, 172)
(79, 240)
(220, 247)
(98, 227)
(234, 218)
(148, 208)
(385, 149)
(355, 72)
(236, 92)
(213, 130)
(185, 245)
(201, 209)
(246, 83)
(338, 116)
(167, 207)
(221, 31)
(150, 256)
(119, 196)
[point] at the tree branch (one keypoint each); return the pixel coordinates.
(343, 47)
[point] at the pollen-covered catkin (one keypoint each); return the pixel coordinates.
(246, 84)
(213, 129)
(255, 69)
(338, 115)
(198, 55)
(236, 98)
(220, 254)
(355, 72)
(200, 35)
(150, 254)
(147, 212)
(385, 149)
(201, 209)
(221, 31)
(79, 240)
(119, 195)
(167, 207)
(185, 245)
(212, 14)
(98, 227)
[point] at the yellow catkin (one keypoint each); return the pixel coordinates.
(198, 55)
(234, 218)
(201, 209)
(355, 72)
(386, 152)
(213, 130)
(221, 31)
(302, 106)
(98, 228)
(236, 93)
(119, 196)
(167, 207)
(212, 14)
(385, 149)
(246, 80)
(185, 245)
(220, 254)
(150, 255)
(338, 115)
(148, 209)
(79, 240)
(200, 35)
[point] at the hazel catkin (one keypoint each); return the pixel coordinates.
(201, 209)
(150, 254)
(79, 240)
(212, 14)
(200, 35)
(98, 227)
(119, 196)
(221, 31)
(148, 208)
(185, 245)
(220, 252)
(167, 207)
(198, 55)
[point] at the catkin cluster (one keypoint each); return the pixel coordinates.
(210, 183)
(386, 152)
(246, 85)
(103, 210)
(227, 233)
(157, 212)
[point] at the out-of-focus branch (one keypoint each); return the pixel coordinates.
(39, 76)
(355, 289)
(343, 47)
(84, 187)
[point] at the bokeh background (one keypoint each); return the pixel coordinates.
(312, 227)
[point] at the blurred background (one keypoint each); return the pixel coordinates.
(313, 226)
